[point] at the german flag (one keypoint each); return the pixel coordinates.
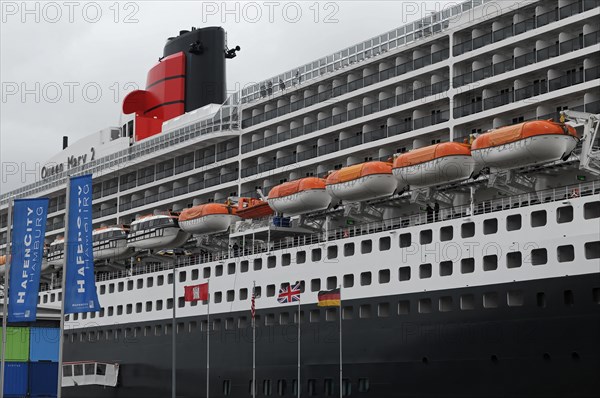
(329, 298)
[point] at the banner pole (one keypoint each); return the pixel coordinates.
(254, 343)
(5, 303)
(174, 338)
(62, 287)
(299, 320)
(341, 373)
(208, 341)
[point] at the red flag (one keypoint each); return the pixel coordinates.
(196, 292)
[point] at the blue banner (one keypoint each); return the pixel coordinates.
(29, 230)
(80, 289)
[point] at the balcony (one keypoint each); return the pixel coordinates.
(524, 26)
(521, 61)
(346, 88)
(355, 113)
(388, 131)
(532, 90)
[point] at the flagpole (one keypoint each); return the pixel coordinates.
(5, 306)
(62, 286)
(254, 343)
(174, 339)
(208, 342)
(299, 320)
(341, 373)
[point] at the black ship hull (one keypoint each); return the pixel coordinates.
(545, 345)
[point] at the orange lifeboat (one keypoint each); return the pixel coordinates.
(300, 196)
(157, 231)
(434, 165)
(360, 182)
(253, 208)
(2, 265)
(208, 218)
(528, 143)
(111, 242)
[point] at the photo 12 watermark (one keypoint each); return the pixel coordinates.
(53, 12)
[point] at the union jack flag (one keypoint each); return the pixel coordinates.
(289, 293)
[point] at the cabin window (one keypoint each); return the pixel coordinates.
(314, 316)
(425, 306)
(591, 210)
(366, 246)
(331, 314)
(270, 290)
(446, 268)
(138, 308)
(569, 298)
(301, 257)
(347, 312)
(383, 310)
(102, 289)
(514, 259)
(426, 236)
(219, 270)
(467, 230)
(243, 294)
(316, 255)
(230, 268)
(403, 307)
(140, 283)
(564, 214)
(348, 249)
(286, 259)
(513, 222)
(592, 250)
(244, 265)
(467, 302)
(385, 243)
(206, 272)
(384, 276)
(332, 282)
(365, 278)
(446, 233)
(467, 265)
(539, 256)
(159, 305)
(148, 306)
(195, 274)
(170, 278)
(538, 218)
(425, 271)
(230, 295)
(284, 318)
(445, 304)
(315, 285)
(565, 253)
(405, 240)
(349, 280)
(271, 261)
(218, 297)
(364, 311)
(120, 286)
(404, 273)
(490, 300)
(490, 226)
(514, 298)
(332, 252)
(169, 303)
(490, 262)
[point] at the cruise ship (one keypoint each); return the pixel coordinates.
(443, 175)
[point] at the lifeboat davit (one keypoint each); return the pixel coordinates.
(535, 142)
(365, 181)
(253, 208)
(300, 196)
(435, 164)
(158, 231)
(111, 243)
(208, 218)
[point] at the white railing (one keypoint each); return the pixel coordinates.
(489, 206)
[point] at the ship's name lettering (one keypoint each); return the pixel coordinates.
(72, 161)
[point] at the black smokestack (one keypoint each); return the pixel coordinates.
(205, 81)
(65, 142)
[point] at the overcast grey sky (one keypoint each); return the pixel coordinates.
(51, 51)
